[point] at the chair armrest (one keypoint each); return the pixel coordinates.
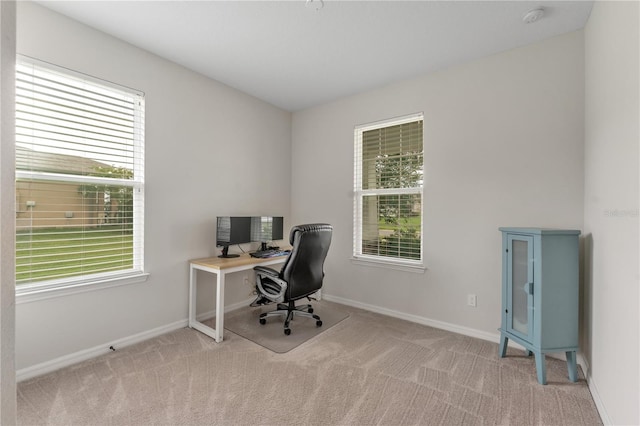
(263, 270)
(269, 284)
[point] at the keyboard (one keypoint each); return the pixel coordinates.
(269, 253)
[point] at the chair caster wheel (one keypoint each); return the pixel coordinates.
(263, 321)
(287, 331)
(319, 323)
(310, 310)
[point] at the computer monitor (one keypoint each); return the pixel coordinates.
(277, 228)
(231, 230)
(266, 228)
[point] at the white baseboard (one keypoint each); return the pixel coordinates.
(595, 394)
(454, 328)
(415, 318)
(471, 332)
(67, 360)
(83, 355)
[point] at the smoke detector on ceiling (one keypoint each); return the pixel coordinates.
(315, 4)
(533, 15)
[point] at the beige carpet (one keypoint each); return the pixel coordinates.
(244, 322)
(366, 370)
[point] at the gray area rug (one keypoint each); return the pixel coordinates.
(244, 322)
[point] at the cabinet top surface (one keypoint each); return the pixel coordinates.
(540, 231)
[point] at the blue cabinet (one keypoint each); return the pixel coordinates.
(540, 294)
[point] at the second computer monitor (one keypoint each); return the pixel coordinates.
(233, 230)
(266, 228)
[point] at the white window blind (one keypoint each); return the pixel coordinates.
(388, 182)
(79, 177)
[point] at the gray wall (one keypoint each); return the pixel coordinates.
(7, 213)
(611, 214)
(503, 147)
(206, 148)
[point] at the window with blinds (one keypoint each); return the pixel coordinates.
(79, 178)
(388, 183)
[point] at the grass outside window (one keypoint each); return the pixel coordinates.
(47, 254)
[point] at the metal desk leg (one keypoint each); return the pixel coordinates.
(192, 295)
(215, 334)
(219, 307)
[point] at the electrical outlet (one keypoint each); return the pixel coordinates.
(472, 300)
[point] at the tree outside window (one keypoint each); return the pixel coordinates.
(388, 187)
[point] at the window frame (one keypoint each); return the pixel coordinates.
(358, 257)
(48, 288)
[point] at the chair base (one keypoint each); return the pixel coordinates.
(289, 311)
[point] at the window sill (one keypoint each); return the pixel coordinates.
(32, 294)
(398, 266)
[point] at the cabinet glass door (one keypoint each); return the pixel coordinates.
(520, 287)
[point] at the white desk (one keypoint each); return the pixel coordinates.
(220, 267)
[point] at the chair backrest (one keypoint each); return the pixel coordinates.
(304, 269)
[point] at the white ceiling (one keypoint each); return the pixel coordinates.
(294, 57)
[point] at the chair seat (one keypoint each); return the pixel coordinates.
(300, 276)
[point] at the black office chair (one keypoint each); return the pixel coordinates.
(300, 276)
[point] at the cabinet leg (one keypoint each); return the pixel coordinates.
(541, 368)
(503, 345)
(572, 366)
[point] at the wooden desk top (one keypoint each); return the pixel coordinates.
(233, 262)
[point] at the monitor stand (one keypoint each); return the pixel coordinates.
(225, 253)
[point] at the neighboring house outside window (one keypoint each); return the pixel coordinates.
(388, 183)
(79, 179)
